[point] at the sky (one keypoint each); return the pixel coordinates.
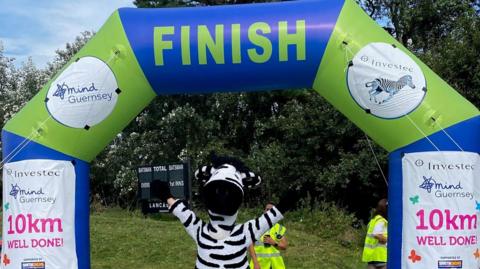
(36, 28)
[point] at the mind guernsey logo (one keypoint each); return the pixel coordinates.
(444, 190)
(64, 88)
(16, 190)
(78, 95)
(31, 196)
(429, 183)
(84, 94)
(385, 81)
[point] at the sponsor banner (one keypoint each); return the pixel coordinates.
(84, 94)
(385, 81)
(38, 215)
(440, 210)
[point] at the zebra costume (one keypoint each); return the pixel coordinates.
(221, 243)
(229, 252)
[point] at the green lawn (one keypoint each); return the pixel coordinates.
(122, 239)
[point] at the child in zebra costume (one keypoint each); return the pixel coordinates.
(221, 242)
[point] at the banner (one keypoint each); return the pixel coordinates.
(39, 204)
(440, 204)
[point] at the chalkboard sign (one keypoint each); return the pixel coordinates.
(145, 178)
(178, 176)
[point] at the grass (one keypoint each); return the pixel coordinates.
(123, 239)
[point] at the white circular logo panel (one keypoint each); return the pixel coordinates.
(385, 81)
(84, 94)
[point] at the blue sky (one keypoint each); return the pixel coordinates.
(36, 28)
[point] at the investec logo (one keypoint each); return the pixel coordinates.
(33, 173)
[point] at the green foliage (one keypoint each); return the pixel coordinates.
(456, 58)
(419, 23)
(336, 225)
(443, 33)
(19, 85)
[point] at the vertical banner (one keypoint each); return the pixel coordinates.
(39, 205)
(440, 210)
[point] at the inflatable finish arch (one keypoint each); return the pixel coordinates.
(331, 46)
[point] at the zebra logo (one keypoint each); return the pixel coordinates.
(391, 87)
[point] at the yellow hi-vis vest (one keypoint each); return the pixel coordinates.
(269, 256)
(373, 250)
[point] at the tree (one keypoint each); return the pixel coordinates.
(7, 82)
(444, 34)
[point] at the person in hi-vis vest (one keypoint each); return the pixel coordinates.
(265, 253)
(375, 249)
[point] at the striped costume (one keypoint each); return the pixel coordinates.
(221, 242)
(229, 250)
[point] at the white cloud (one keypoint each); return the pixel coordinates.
(45, 26)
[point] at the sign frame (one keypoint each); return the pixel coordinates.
(151, 205)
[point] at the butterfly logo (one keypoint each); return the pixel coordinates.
(6, 260)
(15, 190)
(414, 199)
(428, 184)
(477, 254)
(61, 89)
(478, 205)
(414, 257)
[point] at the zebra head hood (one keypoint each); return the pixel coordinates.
(223, 185)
